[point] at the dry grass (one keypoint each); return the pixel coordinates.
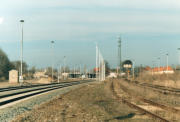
(169, 100)
(93, 103)
(171, 80)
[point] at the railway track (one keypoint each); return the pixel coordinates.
(28, 86)
(133, 105)
(10, 98)
(161, 89)
(168, 108)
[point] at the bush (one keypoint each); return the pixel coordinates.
(5, 66)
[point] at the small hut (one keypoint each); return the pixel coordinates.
(13, 76)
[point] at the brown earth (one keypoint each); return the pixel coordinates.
(92, 103)
(133, 93)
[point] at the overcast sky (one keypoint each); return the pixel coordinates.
(149, 29)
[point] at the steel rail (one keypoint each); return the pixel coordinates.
(165, 107)
(137, 107)
(26, 91)
(29, 86)
(39, 91)
(161, 89)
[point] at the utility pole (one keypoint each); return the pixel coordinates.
(21, 74)
(167, 60)
(100, 65)
(97, 62)
(74, 71)
(64, 64)
(133, 68)
(52, 42)
(179, 57)
(58, 73)
(159, 65)
(119, 54)
(153, 66)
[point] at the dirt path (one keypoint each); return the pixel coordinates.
(93, 103)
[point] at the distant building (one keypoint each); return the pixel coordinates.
(96, 69)
(159, 70)
(39, 75)
(13, 76)
(112, 75)
(65, 75)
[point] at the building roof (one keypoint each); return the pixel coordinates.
(157, 69)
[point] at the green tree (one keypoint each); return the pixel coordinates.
(17, 66)
(107, 68)
(5, 65)
(48, 71)
(32, 70)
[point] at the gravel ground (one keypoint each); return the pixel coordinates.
(8, 114)
(93, 103)
(7, 84)
(24, 89)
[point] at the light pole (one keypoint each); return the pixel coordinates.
(52, 42)
(167, 59)
(21, 74)
(97, 62)
(59, 72)
(153, 66)
(119, 54)
(179, 55)
(133, 68)
(64, 64)
(159, 64)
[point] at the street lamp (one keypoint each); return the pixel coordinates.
(167, 60)
(64, 64)
(179, 55)
(52, 42)
(133, 69)
(59, 70)
(120, 54)
(21, 74)
(153, 66)
(97, 62)
(159, 64)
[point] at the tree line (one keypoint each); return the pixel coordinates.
(6, 65)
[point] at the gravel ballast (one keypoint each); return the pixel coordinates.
(7, 114)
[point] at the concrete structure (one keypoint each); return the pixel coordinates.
(112, 75)
(40, 75)
(159, 70)
(13, 76)
(65, 75)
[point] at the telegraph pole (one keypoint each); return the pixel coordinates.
(100, 65)
(64, 63)
(21, 74)
(52, 42)
(119, 54)
(133, 68)
(159, 64)
(179, 57)
(97, 66)
(167, 59)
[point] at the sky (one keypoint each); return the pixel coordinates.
(149, 29)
